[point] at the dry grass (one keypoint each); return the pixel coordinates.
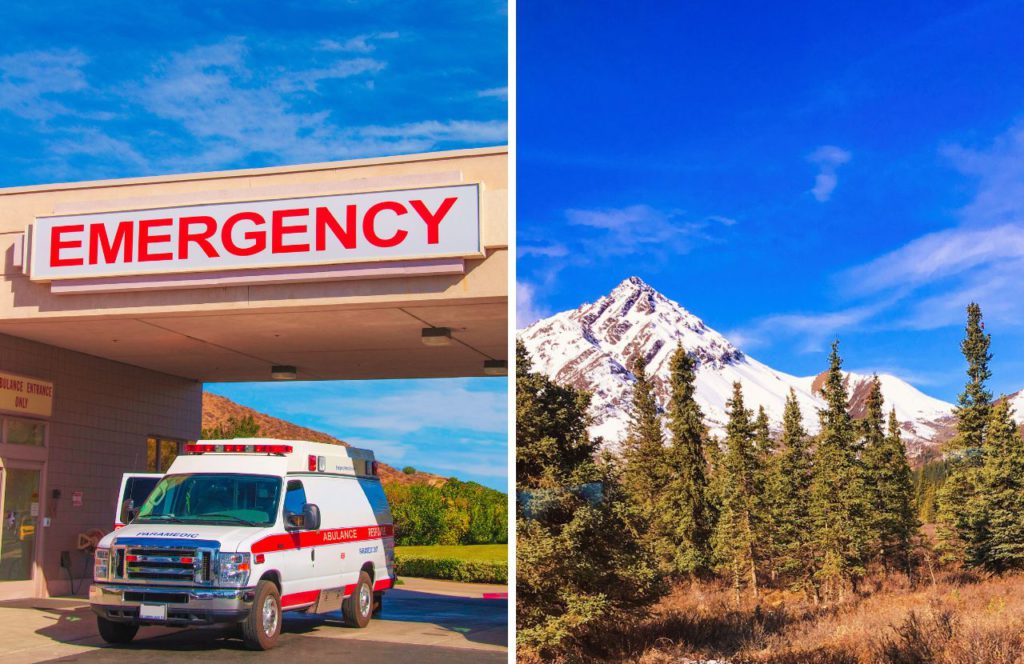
(959, 620)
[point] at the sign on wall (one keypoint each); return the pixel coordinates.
(25, 396)
(438, 222)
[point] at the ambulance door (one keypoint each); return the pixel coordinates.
(298, 584)
(135, 488)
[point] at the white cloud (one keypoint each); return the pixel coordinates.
(357, 44)
(497, 93)
(528, 310)
(815, 330)
(555, 250)
(30, 80)
(641, 227)
(432, 404)
(828, 158)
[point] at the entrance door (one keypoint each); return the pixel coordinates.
(21, 519)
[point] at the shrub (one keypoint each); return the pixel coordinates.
(409, 470)
(468, 571)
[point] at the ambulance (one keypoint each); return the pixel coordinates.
(239, 531)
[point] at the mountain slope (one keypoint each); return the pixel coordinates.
(591, 346)
(217, 410)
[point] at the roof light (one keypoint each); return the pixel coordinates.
(283, 372)
(436, 336)
(236, 448)
(495, 367)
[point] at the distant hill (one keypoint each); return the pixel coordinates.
(217, 410)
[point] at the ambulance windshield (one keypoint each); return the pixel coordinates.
(249, 500)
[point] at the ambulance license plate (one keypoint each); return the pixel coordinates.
(153, 612)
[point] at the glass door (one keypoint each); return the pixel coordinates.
(19, 506)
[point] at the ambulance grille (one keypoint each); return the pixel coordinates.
(156, 564)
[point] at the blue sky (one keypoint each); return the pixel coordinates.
(120, 89)
(789, 173)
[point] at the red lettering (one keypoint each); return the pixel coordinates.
(146, 239)
(99, 240)
(346, 236)
(279, 230)
(259, 240)
(433, 220)
(57, 244)
(371, 232)
(202, 238)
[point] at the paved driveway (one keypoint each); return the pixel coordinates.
(422, 621)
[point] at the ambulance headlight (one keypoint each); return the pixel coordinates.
(101, 565)
(233, 569)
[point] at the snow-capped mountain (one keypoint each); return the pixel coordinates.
(591, 347)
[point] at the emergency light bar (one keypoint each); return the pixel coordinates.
(193, 448)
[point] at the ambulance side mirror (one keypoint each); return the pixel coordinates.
(310, 517)
(132, 513)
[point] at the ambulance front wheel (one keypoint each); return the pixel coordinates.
(262, 628)
(358, 607)
(116, 632)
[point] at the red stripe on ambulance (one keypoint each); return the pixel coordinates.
(311, 538)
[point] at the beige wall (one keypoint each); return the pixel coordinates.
(103, 412)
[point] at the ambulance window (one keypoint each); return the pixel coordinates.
(294, 498)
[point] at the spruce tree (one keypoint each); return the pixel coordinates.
(997, 523)
(735, 534)
(685, 506)
(578, 565)
(646, 471)
(958, 492)
(765, 531)
(896, 492)
(874, 458)
(788, 490)
(838, 504)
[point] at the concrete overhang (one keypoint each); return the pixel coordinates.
(349, 328)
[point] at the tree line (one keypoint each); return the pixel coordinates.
(757, 508)
(455, 512)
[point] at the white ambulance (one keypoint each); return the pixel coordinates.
(239, 531)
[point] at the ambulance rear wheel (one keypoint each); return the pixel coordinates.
(378, 603)
(262, 628)
(358, 607)
(116, 632)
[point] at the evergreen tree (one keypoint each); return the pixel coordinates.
(788, 489)
(765, 532)
(997, 523)
(578, 566)
(894, 522)
(955, 531)
(685, 506)
(735, 532)
(838, 507)
(646, 472)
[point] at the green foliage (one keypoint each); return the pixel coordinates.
(838, 506)
(928, 480)
(735, 537)
(579, 564)
(234, 427)
(974, 405)
(788, 486)
(996, 512)
(409, 470)
(452, 569)
(453, 513)
(684, 511)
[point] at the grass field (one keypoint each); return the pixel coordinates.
(477, 552)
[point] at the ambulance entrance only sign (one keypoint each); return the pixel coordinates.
(438, 222)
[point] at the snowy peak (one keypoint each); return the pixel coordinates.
(591, 348)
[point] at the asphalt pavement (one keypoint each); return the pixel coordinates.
(422, 621)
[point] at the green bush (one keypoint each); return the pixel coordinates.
(467, 571)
